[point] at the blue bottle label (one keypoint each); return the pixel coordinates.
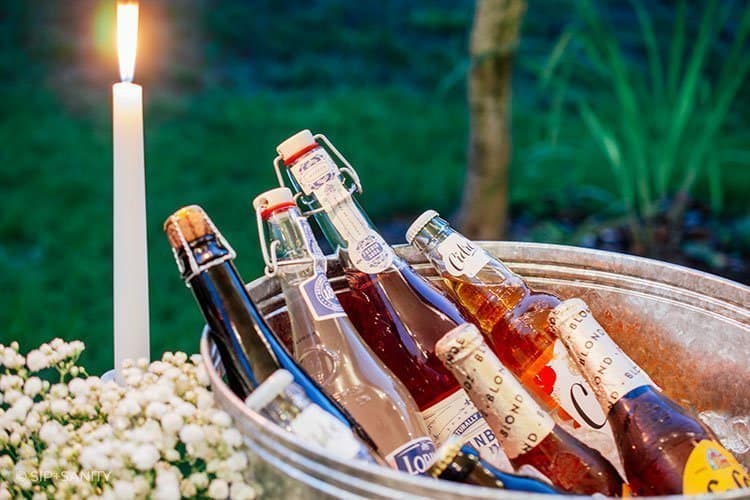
(414, 457)
(320, 298)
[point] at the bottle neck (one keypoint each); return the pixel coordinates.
(508, 408)
(233, 319)
(342, 221)
(451, 253)
(297, 252)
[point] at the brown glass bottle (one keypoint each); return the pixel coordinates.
(528, 434)
(664, 450)
(513, 318)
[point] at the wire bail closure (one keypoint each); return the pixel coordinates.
(195, 268)
(271, 268)
(348, 169)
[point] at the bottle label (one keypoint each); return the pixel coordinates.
(518, 421)
(318, 175)
(311, 245)
(456, 415)
(461, 256)
(414, 457)
(711, 469)
(611, 373)
(314, 425)
(320, 298)
(586, 420)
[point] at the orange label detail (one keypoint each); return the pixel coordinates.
(710, 469)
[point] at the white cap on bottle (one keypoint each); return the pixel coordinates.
(273, 197)
(419, 223)
(269, 389)
(295, 144)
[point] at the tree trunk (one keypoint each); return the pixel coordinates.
(494, 38)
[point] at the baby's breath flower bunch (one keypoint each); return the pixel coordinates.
(158, 436)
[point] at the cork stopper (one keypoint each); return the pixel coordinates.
(191, 221)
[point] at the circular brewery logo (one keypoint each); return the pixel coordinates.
(371, 254)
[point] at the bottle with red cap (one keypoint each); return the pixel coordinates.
(399, 314)
(528, 433)
(513, 318)
(325, 343)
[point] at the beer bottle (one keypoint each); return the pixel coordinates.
(325, 343)
(513, 319)
(249, 350)
(462, 464)
(284, 403)
(397, 312)
(664, 450)
(528, 434)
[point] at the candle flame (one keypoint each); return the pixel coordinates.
(127, 38)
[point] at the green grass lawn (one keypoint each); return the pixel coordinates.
(387, 104)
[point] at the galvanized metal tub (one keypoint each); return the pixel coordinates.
(690, 330)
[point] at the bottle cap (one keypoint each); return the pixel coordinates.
(458, 343)
(295, 145)
(419, 223)
(272, 200)
(266, 392)
(190, 221)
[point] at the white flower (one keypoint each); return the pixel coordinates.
(36, 360)
(124, 490)
(128, 407)
(59, 407)
(53, 433)
(32, 387)
(232, 437)
(171, 422)
(19, 409)
(218, 489)
(145, 456)
(237, 461)
(187, 488)
(199, 479)
(241, 491)
(167, 485)
(10, 382)
(78, 387)
(191, 433)
(221, 418)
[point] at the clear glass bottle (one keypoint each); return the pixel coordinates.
(513, 318)
(665, 451)
(283, 402)
(326, 345)
(249, 350)
(398, 313)
(528, 434)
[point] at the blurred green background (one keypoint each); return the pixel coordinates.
(597, 94)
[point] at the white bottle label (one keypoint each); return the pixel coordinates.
(461, 256)
(414, 457)
(319, 427)
(456, 415)
(610, 371)
(574, 395)
(318, 175)
(517, 419)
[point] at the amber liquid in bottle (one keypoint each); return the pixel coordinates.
(664, 450)
(513, 319)
(528, 433)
